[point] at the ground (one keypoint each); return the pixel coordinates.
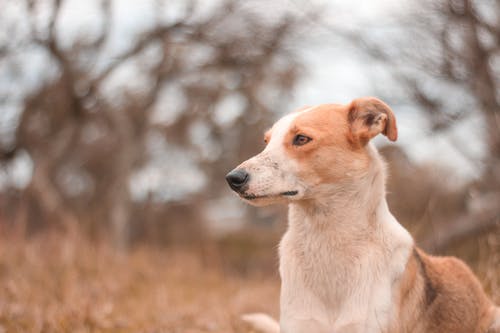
(54, 284)
(61, 283)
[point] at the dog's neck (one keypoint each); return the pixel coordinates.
(354, 207)
(341, 243)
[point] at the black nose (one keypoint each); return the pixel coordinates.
(237, 179)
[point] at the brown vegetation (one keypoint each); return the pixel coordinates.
(64, 283)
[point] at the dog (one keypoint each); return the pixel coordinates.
(346, 264)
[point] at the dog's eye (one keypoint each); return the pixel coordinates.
(300, 140)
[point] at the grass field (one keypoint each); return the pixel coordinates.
(54, 283)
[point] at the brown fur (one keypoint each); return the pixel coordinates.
(441, 294)
(328, 127)
(370, 116)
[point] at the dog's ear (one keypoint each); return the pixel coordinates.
(369, 116)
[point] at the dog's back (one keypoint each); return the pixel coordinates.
(441, 294)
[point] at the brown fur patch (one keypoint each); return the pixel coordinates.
(441, 294)
(369, 116)
(329, 155)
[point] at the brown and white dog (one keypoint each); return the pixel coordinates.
(346, 264)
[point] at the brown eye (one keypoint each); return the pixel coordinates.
(300, 140)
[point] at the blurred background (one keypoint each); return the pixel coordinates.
(119, 120)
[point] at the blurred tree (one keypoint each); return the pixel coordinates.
(89, 131)
(446, 54)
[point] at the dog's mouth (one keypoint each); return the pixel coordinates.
(267, 196)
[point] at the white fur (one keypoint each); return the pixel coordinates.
(272, 172)
(495, 327)
(343, 253)
(261, 322)
(340, 261)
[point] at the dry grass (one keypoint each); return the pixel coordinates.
(52, 283)
(56, 284)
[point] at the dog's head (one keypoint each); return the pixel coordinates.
(311, 149)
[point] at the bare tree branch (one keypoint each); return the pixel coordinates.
(144, 41)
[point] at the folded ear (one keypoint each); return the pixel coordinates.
(369, 116)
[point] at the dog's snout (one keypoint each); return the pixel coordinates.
(237, 179)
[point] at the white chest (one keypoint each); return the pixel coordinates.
(330, 286)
